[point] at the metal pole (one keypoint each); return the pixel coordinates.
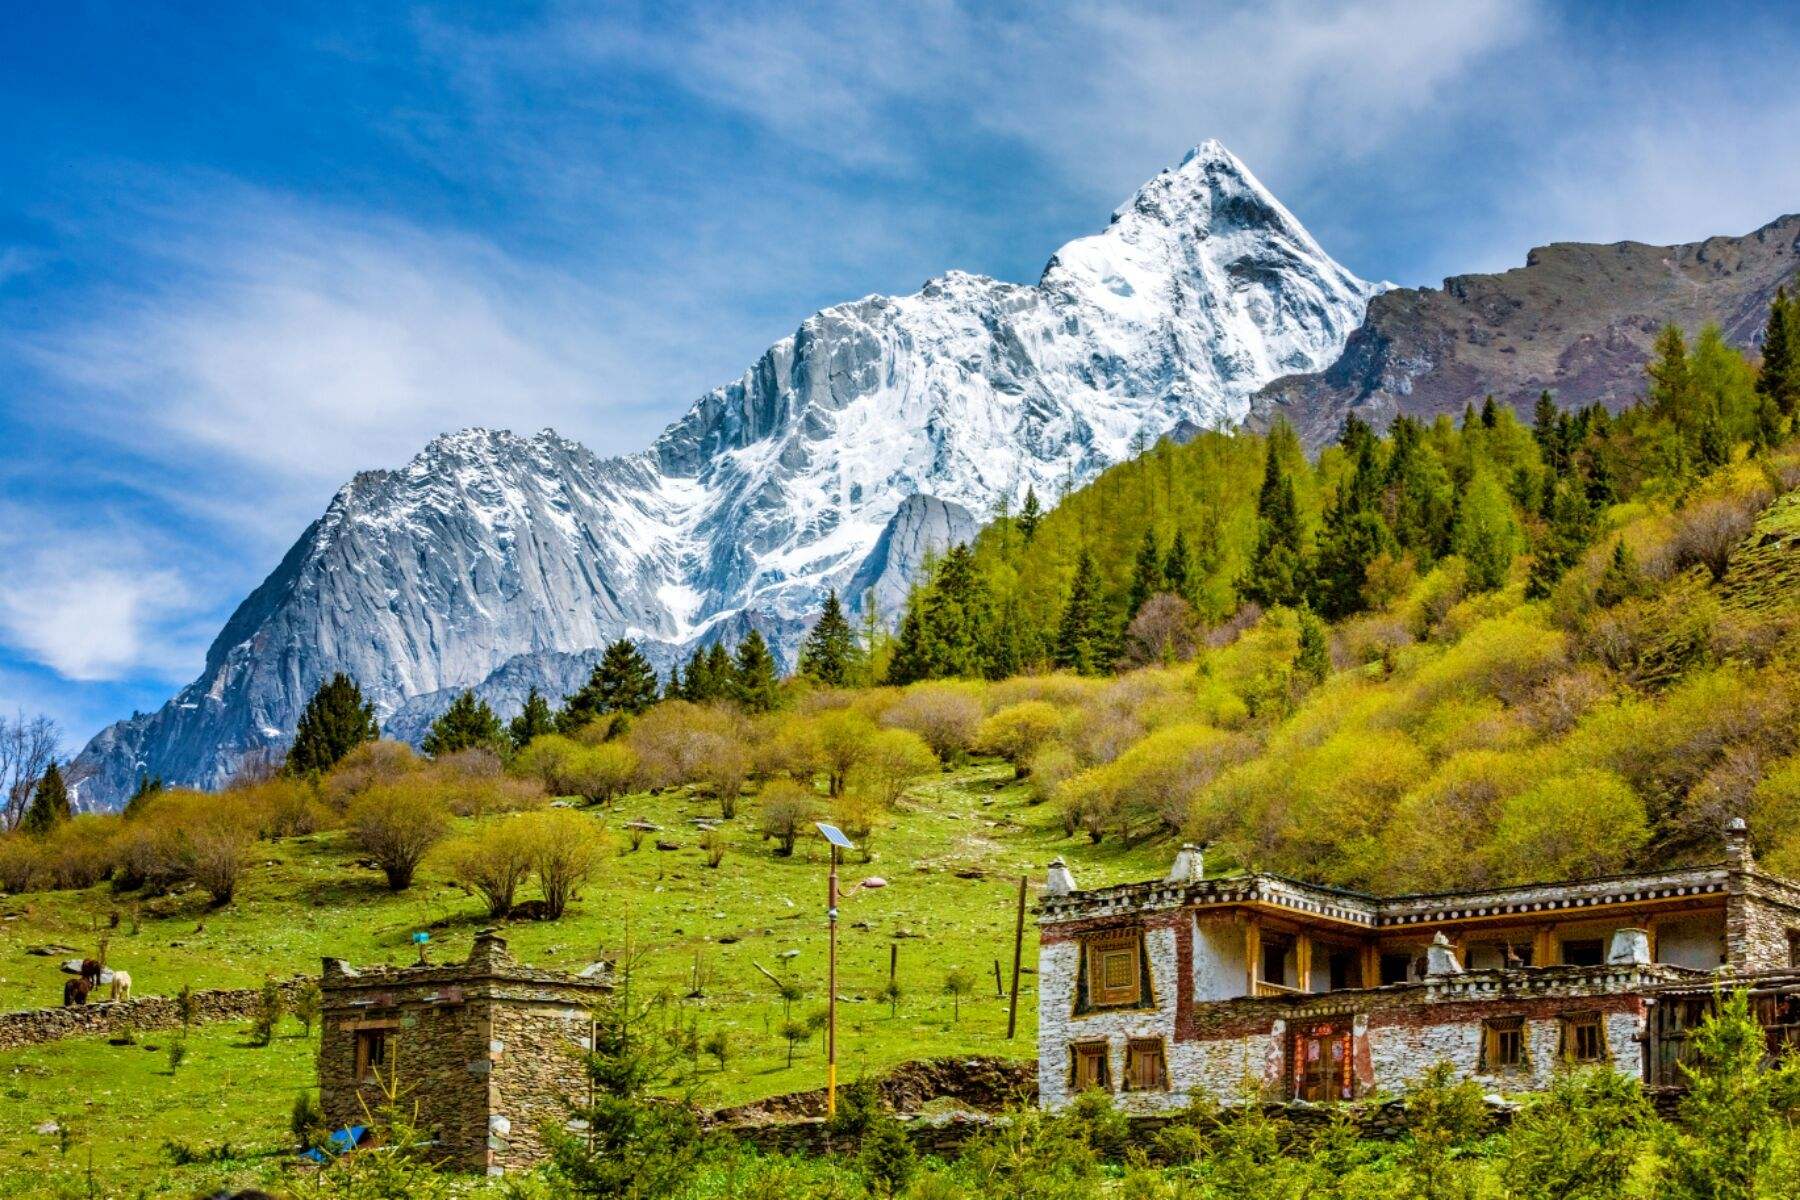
(1012, 1008)
(831, 913)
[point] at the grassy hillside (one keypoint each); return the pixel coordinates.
(306, 897)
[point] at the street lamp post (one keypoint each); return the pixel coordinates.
(839, 842)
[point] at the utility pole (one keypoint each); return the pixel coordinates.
(839, 842)
(831, 913)
(1012, 1008)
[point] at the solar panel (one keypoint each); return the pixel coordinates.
(835, 836)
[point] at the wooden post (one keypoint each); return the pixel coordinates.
(831, 913)
(1012, 1006)
(1371, 965)
(1543, 946)
(1252, 954)
(1303, 948)
(893, 960)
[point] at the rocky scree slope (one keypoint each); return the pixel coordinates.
(1577, 320)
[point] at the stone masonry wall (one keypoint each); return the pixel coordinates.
(1059, 964)
(35, 1026)
(1759, 915)
(536, 1073)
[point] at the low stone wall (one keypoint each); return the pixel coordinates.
(35, 1026)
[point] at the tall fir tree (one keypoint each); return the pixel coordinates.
(1779, 377)
(1031, 514)
(1672, 381)
(624, 682)
(534, 720)
(1313, 660)
(911, 660)
(466, 725)
(1146, 575)
(1486, 535)
(721, 673)
(1420, 504)
(1565, 536)
(755, 681)
(334, 722)
(1178, 567)
(1081, 635)
(49, 802)
(1278, 569)
(828, 656)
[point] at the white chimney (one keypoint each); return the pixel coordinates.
(1059, 882)
(1440, 958)
(1629, 946)
(1190, 864)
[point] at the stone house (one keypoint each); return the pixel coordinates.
(1164, 990)
(485, 1051)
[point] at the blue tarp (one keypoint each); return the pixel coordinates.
(338, 1143)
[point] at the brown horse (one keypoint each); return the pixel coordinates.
(75, 991)
(90, 971)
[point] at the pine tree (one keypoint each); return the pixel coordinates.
(1621, 580)
(468, 723)
(1355, 534)
(1486, 535)
(696, 680)
(1146, 575)
(1277, 572)
(1560, 546)
(674, 689)
(1671, 380)
(533, 721)
(624, 682)
(1081, 635)
(1490, 413)
(1178, 567)
(49, 802)
(1030, 514)
(828, 654)
(1314, 658)
(754, 679)
(1420, 500)
(721, 673)
(147, 787)
(1544, 431)
(334, 722)
(911, 661)
(1779, 378)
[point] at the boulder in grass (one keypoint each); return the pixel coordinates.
(873, 881)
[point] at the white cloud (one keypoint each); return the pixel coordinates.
(91, 606)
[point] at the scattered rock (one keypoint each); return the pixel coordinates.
(971, 873)
(51, 950)
(788, 954)
(646, 826)
(873, 881)
(661, 844)
(729, 939)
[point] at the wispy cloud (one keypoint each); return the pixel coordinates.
(92, 604)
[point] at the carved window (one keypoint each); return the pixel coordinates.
(1146, 1066)
(1115, 970)
(1088, 1067)
(371, 1054)
(1583, 1038)
(1503, 1044)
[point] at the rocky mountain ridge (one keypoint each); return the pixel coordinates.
(876, 433)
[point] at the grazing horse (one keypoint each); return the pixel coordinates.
(90, 971)
(121, 986)
(75, 991)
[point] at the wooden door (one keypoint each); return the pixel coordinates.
(1321, 1061)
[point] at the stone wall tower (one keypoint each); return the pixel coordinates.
(486, 1050)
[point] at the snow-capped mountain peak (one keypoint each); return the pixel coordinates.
(874, 433)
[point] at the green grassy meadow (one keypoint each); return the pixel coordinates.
(306, 897)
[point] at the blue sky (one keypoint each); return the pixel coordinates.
(244, 255)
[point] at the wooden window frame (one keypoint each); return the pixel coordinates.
(1494, 1034)
(1573, 1026)
(1104, 949)
(1090, 1051)
(1138, 1053)
(1793, 940)
(372, 1051)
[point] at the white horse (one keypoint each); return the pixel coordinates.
(121, 986)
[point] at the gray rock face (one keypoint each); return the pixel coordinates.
(1576, 320)
(922, 526)
(494, 562)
